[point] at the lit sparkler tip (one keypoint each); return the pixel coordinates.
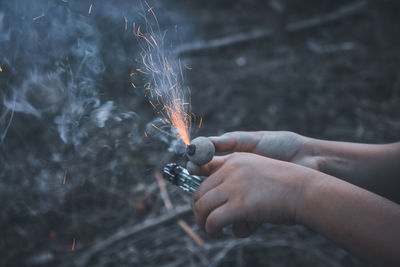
(186, 141)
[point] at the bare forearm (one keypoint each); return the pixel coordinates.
(360, 221)
(373, 167)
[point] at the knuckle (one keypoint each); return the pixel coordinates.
(234, 161)
(217, 191)
(198, 193)
(198, 207)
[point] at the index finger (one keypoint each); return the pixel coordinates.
(206, 169)
(236, 141)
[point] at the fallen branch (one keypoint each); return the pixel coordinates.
(196, 238)
(163, 191)
(169, 206)
(342, 12)
(129, 232)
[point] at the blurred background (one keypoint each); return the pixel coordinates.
(77, 172)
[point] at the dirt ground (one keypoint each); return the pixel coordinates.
(67, 180)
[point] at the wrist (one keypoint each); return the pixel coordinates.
(307, 194)
(329, 157)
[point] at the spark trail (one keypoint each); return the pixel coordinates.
(164, 89)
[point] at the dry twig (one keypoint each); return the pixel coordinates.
(169, 206)
(342, 12)
(129, 232)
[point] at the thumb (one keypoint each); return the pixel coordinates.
(236, 141)
(206, 169)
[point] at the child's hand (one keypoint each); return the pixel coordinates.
(246, 190)
(286, 146)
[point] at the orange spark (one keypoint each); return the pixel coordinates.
(165, 90)
(139, 70)
(152, 104)
(134, 86)
(154, 40)
(201, 122)
(90, 8)
(73, 244)
(1, 70)
(155, 126)
(65, 177)
(38, 17)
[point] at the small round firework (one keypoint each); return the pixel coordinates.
(201, 150)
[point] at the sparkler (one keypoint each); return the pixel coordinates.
(165, 90)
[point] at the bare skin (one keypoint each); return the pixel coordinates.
(248, 189)
(372, 167)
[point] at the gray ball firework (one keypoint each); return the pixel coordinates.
(201, 150)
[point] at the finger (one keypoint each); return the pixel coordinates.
(236, 142)
(219, 218)
(207, 203)
(207, 184)
(244, 229)
(206, 169)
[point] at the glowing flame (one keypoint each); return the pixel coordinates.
(165, 91)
